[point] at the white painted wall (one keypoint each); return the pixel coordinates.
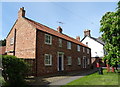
(96, 48)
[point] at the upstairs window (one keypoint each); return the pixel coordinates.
(79, 61)
(48, 60)
(88, 51)
(78, 47)
(11, 41)
(69, 60)
(60, 42)
(68, 45)
(48, 39)
(88, 61)
(83, 49)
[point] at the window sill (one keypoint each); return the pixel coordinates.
(48, 65)
(11, 44)
(69, 65)
(68, 49)
(48, 43)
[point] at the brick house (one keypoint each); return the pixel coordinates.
(2, 50)
(49, 50)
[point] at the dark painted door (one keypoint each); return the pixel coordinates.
(60, 63)
(84, 62)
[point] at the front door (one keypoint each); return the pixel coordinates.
(60, 61)
(84, 62)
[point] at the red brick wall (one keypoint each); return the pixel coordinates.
(43, 48)
(25, 43)
(28, 46)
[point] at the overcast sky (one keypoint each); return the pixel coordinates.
(75, 16)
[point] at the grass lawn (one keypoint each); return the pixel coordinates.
(96, 79)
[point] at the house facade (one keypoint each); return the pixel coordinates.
(50, 51)
(96, 45)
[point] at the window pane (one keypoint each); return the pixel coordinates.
(88, 61)
(68, 45)
(78, 47)
(69, 60)
(83, 49)
(79, 61)
(88, 51)
(48, 39)
(48, 59)
(11, 40)
(60, 42)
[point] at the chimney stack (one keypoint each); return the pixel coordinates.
(78, 38)
(21, 13)
(59, 29)
(87, 33)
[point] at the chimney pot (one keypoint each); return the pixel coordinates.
(87, 33)
(78, 38)
(21, 13)
(59, 29)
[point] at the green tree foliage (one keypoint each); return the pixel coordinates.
(3, 42)
(110, 26)
(14, 71)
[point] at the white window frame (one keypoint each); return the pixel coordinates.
(69, 60)
(11, 41)
(50, 39)
(88, 51)
(79, 61)
(83, 49)
(78, 48)
(69, 45)
(50, 59)
(62, 55)
(60, 42)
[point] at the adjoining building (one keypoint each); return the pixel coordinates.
(49, 51)
(96, 45)
(2, 50)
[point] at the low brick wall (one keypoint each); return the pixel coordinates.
(32, 63)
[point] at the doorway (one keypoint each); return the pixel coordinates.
(60, 61)
(84, 62)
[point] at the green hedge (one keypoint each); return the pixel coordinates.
(14, 71)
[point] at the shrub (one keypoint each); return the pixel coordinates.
(14, 70)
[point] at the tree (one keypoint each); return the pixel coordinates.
(3, 42)
(110, 27)
(14, 71)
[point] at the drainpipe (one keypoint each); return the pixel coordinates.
(14, 42)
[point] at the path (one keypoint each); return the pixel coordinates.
(69, 79)
(57, 81)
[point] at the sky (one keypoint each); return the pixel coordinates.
(75, 16)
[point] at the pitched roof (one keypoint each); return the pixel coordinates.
(96, 39)
(2, 50)
(53, 32)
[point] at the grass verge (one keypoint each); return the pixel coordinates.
(96, 79)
